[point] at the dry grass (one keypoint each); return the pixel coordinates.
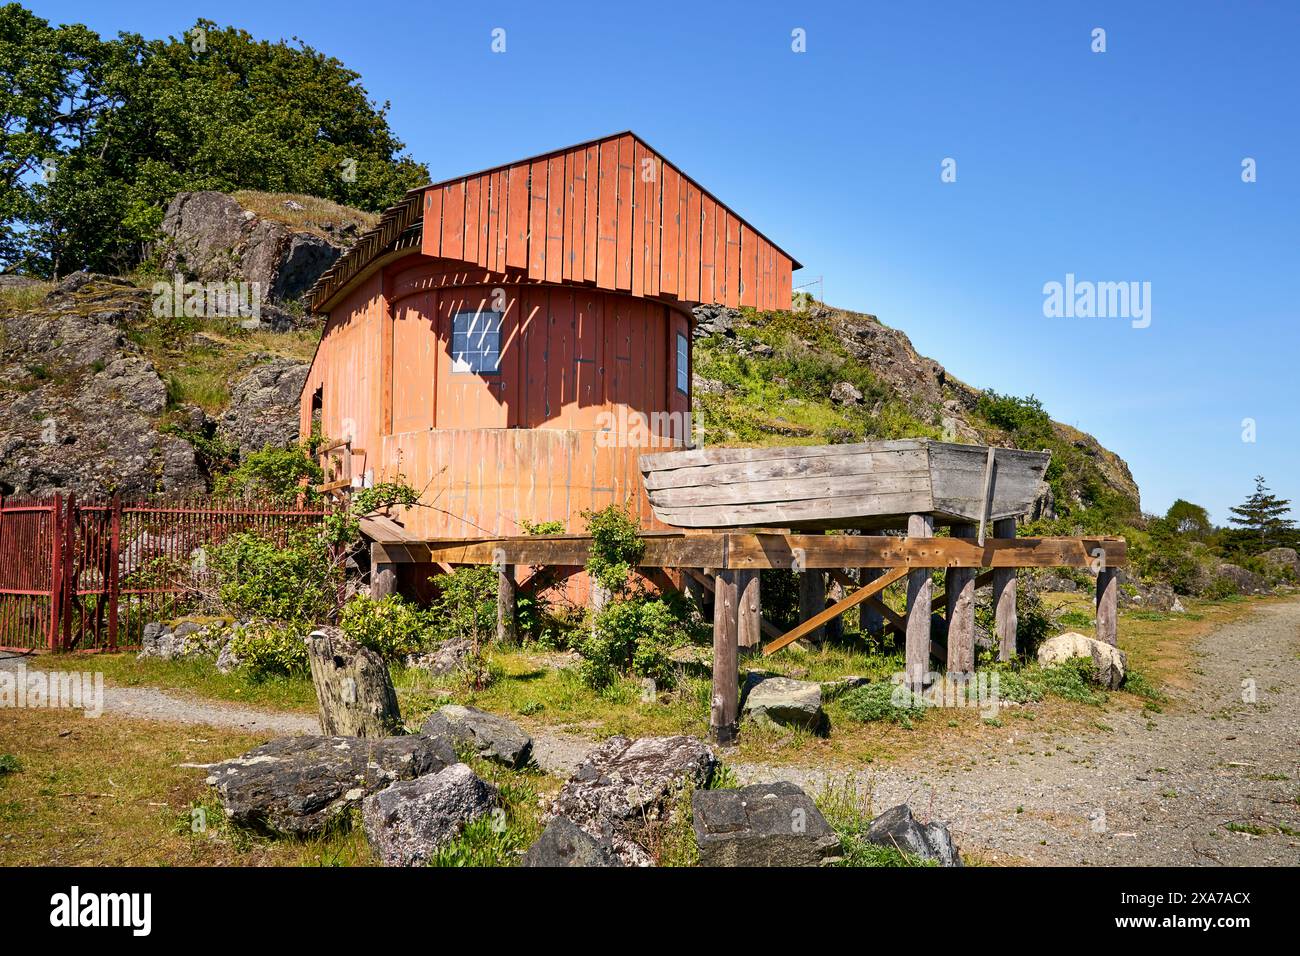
(109, 791)
(313, 213)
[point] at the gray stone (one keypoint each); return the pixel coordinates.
(1285, 558)
(263, 407)
(446, 659)
(625, 786)
(897, 828)
(768, 824)
(492, 737)
(300, 785)
(784, 702)
(407, 822)
(564, 843)
(844, 393)
(1242, 581)
(1109, 663)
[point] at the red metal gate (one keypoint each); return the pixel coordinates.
(88, 576)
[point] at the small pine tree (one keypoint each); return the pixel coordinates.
(1261, 521)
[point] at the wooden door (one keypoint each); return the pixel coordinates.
(415, 363)
(476, 363)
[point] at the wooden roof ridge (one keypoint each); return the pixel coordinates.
(396, 219)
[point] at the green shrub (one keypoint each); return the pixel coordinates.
(632, 637)
(297, 580)
(883, 701)
(542, 527)
(272, 473)
(466, 605)
(616, 547)
(270, 650)
(390, 626)
(9, 764)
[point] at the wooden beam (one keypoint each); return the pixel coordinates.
(1108, 606)
(960, 613)
(812, 600)
(506, 630)
(749, 599)
(919, 586)
(724, 710)
(383, 577)
(1004, 597)
(872, 620)
(853, 600)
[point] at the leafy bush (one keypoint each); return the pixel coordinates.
(877, 701)
(272, 473)
(633, 637)
(390, 626)
(9, 764)
(297, 580)
(542, 527)
(270, 650)
(466, 605)
(616, 547)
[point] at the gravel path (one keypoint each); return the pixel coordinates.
(150, 703)
(1157, 791)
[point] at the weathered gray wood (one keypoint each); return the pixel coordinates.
(834, 629)
(823, 466)
(987, 495)
(1108, 606)
(697, 588)
(872, 621)
(812, 600)
(662, 461)
(354, 692)
(725, 706)
(506, 605)
(790, 490)
(957, 474)
(794, 512)
(917, 642)
(1004, 596)
(750, 626)
(383, 574)
(959, 595)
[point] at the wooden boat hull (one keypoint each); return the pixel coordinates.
(871, 485)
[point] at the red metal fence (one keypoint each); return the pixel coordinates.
(88, 576)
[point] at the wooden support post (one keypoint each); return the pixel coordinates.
(697, 590)
(1108, 606)
(1004, 596)
(812, 600)
(917, 653)
(959, 591)
(383, 576)
(834, 629)
(749, 628)
(724, 712)
(506, 605)
(872, 621)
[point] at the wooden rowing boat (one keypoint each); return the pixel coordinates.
(871, 485)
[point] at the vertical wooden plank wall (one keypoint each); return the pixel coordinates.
(612, 213)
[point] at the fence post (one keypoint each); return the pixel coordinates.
(69, 583)
(114, 550)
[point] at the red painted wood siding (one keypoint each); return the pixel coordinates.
(612, 213)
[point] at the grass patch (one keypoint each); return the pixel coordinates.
(849, 814)
(314, 212)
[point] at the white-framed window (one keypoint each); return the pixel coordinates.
(476, 342)
(683, 364)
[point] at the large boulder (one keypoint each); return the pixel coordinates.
(1239, 580)
(897, 828)
(182, 638)
(564, 843)
(446, 659)
(209, 236)
(407, 822)
(1109, 663)
(263, 408)
(300, 785)
(783, 702)
(768, 824)
(1286, 559)
(491, 737)
(82, 414)
(625, 786)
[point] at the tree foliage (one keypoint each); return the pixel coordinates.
(1261, 522)
(97, 135)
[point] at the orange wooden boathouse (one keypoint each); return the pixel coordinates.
(512, 340)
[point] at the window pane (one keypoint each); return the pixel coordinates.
(476, 342)
(683, 364)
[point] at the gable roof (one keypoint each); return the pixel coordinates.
(609, 212)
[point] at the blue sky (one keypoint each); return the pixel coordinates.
(1115, 166)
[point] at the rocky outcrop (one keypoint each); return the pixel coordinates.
(300, 785)
(210, 236)
(564, 843)
(627, 786)
(1238, 580)
(79, 402)
(1285, 559)
(783, 702)
(768, 824)
(409, 821)
(898, 829)
(491, 737)
(263, 408)
(1109, 663)
(184, 638)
